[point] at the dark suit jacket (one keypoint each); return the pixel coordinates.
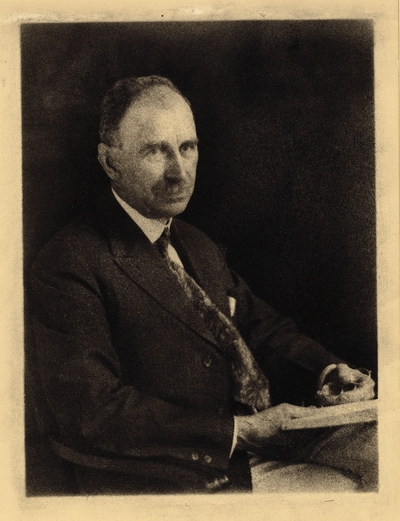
(134, 382)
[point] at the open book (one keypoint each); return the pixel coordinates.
(356, 412)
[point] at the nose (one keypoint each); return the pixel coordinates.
(175, 168)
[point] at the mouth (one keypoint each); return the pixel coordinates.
(177, 199)
(176, 193)
(173, 193)
(176, 190)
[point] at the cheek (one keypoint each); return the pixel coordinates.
(140, 176)
(192, 166)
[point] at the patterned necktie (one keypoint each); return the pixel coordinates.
(250, 385)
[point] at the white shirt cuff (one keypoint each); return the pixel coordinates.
(235, 433)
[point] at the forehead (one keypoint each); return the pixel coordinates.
(157, 114)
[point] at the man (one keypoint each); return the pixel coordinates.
(145, 345)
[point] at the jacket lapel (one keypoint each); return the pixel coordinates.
(141, 262)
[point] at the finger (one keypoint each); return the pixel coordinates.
(345, 374)
(363, 379)
(328, 369)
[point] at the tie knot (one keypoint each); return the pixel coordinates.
(163, 241)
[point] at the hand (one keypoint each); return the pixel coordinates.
(342, 384)
(257, 430)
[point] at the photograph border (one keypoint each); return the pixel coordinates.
(303, 506)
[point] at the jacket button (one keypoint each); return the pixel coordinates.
(207, 458)
(195, 456)
(220, 410)
(207, 361)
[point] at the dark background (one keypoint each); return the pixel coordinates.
(286, 182)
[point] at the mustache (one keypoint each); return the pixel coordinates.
(172, 187)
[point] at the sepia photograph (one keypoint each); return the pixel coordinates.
(155, 155)
(200, 260)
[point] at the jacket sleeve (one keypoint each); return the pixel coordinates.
(82, 381)
(264, 329)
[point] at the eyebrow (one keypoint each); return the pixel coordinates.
(191, 141)
(164, 144)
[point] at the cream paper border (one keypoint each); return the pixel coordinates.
(286, 507)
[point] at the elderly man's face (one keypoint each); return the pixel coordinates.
(154, 164)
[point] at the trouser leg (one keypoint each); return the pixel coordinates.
(352, 449)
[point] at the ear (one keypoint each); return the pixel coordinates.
(105, 155)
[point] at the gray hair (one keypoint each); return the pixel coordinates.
(121, 96)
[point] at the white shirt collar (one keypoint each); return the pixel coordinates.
(152, 228)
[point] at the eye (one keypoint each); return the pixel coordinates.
(188, 149)
(154, 153)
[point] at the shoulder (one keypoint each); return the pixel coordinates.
(201, 250)
(72, 246)
(191, 235)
